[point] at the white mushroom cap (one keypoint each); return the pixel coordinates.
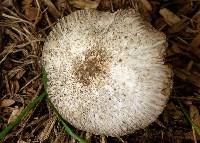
(106, 71)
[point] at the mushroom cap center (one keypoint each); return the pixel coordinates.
(94, 66)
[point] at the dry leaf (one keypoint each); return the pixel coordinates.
(7, 3)
(173, 112)
(31, 13)
(47, 130)
(21, 141)
(61, 136)
(85, 3)
(14, 87)
(27, 3)
(144, 10)
(51, 8)
(175, 48)
(16, 111)
(186, 6)
(147, 5)
(187, 76)
(88, 136)
(7, 102)
(63, 5)
(31, 91)
(169, 17)
(190, 136)
(196, 17)
(190, 65)
(195, 46)
(112, 4)
(194, 115)
(175, 28)
(7, 110)
(160, 23)
(20, 73)
(103, 139)
(72, 140)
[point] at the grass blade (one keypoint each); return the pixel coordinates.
(60, 119)
(22, 115)
(196, 128)
(66, 127)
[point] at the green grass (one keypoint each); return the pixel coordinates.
(185, 112)
(196, 128)
(22, 115)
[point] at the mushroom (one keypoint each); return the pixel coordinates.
(106, 71)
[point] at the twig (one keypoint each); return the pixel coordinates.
(38, 13)
(16, 18)
(6, 52)
(36, 77)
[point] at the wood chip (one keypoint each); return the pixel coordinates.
(169, 17)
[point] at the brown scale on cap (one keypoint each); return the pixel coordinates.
(93, 67)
